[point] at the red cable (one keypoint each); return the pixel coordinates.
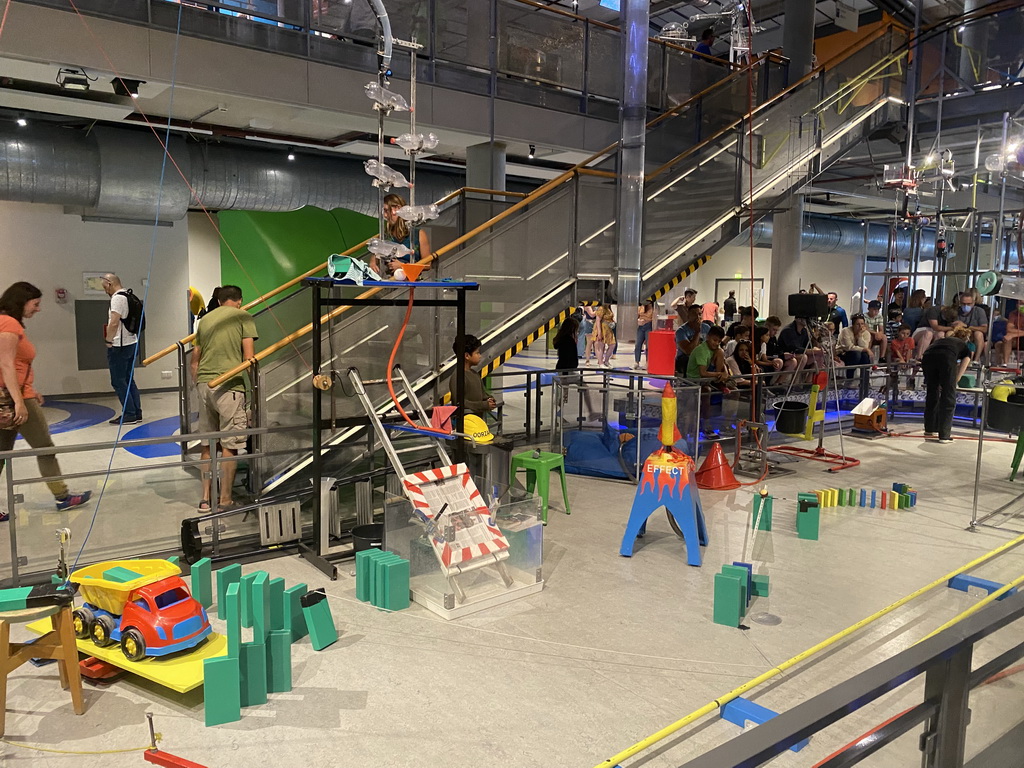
(3, 20)
(391, 364)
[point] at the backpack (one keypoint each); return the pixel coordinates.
(135, 323)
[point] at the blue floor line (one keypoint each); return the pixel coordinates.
(80, 415)
(159, 428)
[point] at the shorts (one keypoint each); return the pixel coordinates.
(223, 410)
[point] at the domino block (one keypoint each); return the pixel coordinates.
(319, 621)
(230, 574)
(231, 612)
(883, 499)
(253, 665)
(380, 564)
(729, 600)
(173, 559)
(863, 497)
(260, 606)
(874, 498)
(745, 573)
(396, 588)
(294, 621)
(807, 516)
(841, 497)
(202, 585)
(760, 586)
(363, 560)
(851, 498)
(904, 501)
(896, 487)
(762, 508)
(245, 590)
(279, 661)
(913, 498)
(276, 587)
(14, 599)
(120, 574)
(740, 711)
(222, 701)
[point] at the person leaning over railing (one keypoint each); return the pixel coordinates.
(21, 410)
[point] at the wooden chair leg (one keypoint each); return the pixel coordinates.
(5, 651)
(69, 660)
(61, 671)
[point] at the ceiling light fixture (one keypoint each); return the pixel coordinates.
(533, 151)
(291, 155)
(22, 122)
(125, 87)
(71, 79)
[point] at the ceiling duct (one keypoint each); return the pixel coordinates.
(115, 173)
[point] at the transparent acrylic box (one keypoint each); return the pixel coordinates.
(482, 583)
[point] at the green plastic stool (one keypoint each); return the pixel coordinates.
(538, 474)
(1017, 455)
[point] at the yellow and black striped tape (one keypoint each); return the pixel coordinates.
(681, 276)
(519, 346)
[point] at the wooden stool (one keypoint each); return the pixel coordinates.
(538, 474)
(59, 644)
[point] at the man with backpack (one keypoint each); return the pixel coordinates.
(124, 324)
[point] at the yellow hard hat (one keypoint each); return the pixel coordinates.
(477, 429)
(1003, 390)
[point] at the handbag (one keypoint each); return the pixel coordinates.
(7, 409)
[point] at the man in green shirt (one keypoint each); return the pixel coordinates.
(224, 339)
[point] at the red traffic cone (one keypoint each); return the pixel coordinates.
(715, 474)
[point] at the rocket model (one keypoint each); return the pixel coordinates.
(667, 480)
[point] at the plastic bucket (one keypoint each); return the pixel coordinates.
(368, 536)
(790, 417)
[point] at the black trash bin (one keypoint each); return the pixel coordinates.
(790, 417)
(368, 536)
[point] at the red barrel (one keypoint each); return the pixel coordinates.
(661, 352)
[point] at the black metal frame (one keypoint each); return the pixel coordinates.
(319, 302)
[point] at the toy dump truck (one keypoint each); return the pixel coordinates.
(142, 604)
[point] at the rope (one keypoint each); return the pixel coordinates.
(36, 748)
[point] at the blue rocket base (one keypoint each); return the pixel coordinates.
(672, 487)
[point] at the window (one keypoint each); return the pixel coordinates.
(171, 597)
(142, 604)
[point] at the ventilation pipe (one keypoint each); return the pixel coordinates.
(115, 173)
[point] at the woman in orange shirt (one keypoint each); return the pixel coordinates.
(17, 304)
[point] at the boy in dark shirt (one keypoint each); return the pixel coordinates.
(478, 399)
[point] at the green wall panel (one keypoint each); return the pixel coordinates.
(259, 251)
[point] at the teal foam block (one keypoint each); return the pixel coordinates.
(202, 586)
(294, 621)
(279, 661)
(222, 701)
(319, 620)
(260, 606)
(363, 560)
(762, 516)
(120, 574)
(245, 590)
(397, 585)
(253, 664)
(173, 559)
(55, 579)
(745, 575)
(380, 565)
(760, 586)
(231, 608)
(276, 588)
(728, 599)
(14, 599)
(230, 574)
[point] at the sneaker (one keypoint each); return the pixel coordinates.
(929, 434)
(115, 421)
(945, 439)
(133, 420)
(4, 517)
(73, 500)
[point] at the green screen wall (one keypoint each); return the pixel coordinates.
(260, 251)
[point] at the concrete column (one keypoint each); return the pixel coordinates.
(485, 169)
(787, 231)
(973, 39)
(636, 15)
(798, 37)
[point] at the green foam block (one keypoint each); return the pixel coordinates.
(245, 590)
(728, 599)
(276, 588)
(760, 586)
(231, 611)
(744, 574)
(260, 605)
(294, 621)
(396, 585)
(230, 574)
(380, 565)
(14, 599)
(222, 701)
(319, 620)
(279, 661)
(253, 663)
(762, 508)
(120, 574)
(202, 585)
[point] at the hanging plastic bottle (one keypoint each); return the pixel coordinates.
(386, 100)
(416, 142)
(385, 175)
(387, 250)
(417, 214)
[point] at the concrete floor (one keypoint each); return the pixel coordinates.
(612, 650)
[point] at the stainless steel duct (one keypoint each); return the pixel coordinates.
(822, 234)
(115, 172)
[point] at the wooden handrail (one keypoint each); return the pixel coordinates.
(817, 71)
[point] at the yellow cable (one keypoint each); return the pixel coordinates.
(74, 752)
(976, 607)
(668, 730)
